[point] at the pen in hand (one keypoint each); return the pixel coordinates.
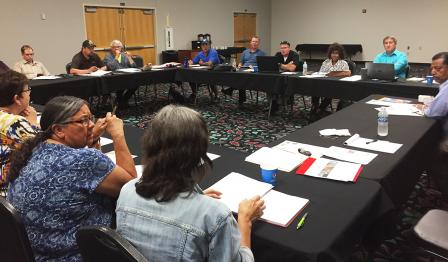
(114, 110)
(301, 221)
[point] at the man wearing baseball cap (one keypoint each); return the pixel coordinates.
(86, 61)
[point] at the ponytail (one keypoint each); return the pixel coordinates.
(19, 158)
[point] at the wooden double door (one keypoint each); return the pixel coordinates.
(134, 27)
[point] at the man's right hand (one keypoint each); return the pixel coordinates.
(93, 69)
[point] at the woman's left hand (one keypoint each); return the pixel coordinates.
(212, 193)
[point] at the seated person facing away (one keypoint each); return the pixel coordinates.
(28, 66)
(438, 109)
(289, 61)
(3, 67)
(207, 57)
(393, 56)
(248, 59)
(117, 59)
(18, 120)
(334, 65)
(73, 184)
(165, 214)
(86, 61)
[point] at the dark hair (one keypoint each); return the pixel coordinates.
(443, 55)
(11, 84)
(174, 154)
(285, 43)
(57, 111)
(336, 47)
(25, 47)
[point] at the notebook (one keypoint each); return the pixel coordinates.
(281, 209)
(330, 169)
(285, 161)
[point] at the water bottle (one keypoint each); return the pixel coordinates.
(185, 62)
(305, 68)
(383, 122)
(233, 62)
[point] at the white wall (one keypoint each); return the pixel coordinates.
(56, 39)
(421, 25)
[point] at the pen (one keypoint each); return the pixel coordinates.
(301, 221)
(371, 141)
(114, 109)
(304, 152)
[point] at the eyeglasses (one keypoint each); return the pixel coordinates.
(26, 90)
(83, 121)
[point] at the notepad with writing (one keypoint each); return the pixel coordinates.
(281, 208)
(330, 169)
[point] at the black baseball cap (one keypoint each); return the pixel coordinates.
(88, 44)
(204, 42)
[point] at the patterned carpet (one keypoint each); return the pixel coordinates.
(247, 128)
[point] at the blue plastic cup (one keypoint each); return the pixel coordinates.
(429, 80)
(269, 174)
(255, 69)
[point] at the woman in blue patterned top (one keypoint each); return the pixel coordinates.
(60, 181)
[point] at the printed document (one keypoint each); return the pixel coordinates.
(350, 155)
(372, 144)
(284, 160)
(330, 169)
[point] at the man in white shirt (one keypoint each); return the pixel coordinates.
(28, 66)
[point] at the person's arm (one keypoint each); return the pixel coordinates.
(17, 67)
(400, 64)
(288, 67)
(438, 108)
(214, 57)
(100, 63)
(248, 211)
(76, 71)
(341, 70)
(339, 73)
(44, 70)
(131, 62)
(197, 58)
(110, 62)
(377, 59)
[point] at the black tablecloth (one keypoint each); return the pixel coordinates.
(272, 83)
(333, 87)
(339, 213)
(79, 86)
(397, 173)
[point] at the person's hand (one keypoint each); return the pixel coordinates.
(128, 54)
(420, 107)
(251, 209)
(114, 125)
(190, 62)
(93, 69)
(99, 128)
(201, 62)
(212, 193)
(30, 114)
(117, 52)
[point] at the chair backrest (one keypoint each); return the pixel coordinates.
(14, 243)
(138, 61)
(408, 68)
(68, 66)
(104, 244)
(351, 66)
(222, 59)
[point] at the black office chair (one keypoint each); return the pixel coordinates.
(68, 66)
(351, 66)
(223, 59)
(14, 242)
(104, 244)
(407, 70)
(138, 60)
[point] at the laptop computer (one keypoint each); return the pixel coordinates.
(381, 71)
(267, 64)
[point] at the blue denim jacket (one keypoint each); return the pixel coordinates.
(188, 228)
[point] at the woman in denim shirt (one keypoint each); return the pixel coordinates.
(165, 215)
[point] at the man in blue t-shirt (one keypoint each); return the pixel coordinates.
(248, 59)
(393, 56)
(207, 57)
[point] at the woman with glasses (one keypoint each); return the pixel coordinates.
(165, 214)
(60, 181)
(18, 120)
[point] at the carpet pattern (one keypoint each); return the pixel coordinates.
(247, 128)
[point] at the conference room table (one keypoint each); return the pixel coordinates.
(397, 173)
(338, 213)
(271, 83)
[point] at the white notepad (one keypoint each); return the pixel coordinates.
(372, 144)
(350, 155)
(285, 161)
(281, 208)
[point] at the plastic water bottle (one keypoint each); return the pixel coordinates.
(233, 61)
(185, 62)
(383, 122)
(305, 68)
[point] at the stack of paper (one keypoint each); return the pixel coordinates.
(352, 78)
(372, 144)
(388, 101)
(293, 147)
(129, 70)
(350, 155)
(334, 132)
(415, 79)
(330, 169)
(314, 75)
(403, 110)
(98, 72)
(50, 77)
(281, 208)
(285, 161)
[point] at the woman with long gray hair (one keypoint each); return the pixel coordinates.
(165, 214)
(59, 181)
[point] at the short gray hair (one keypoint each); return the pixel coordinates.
(116, 43)
(390, 37)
